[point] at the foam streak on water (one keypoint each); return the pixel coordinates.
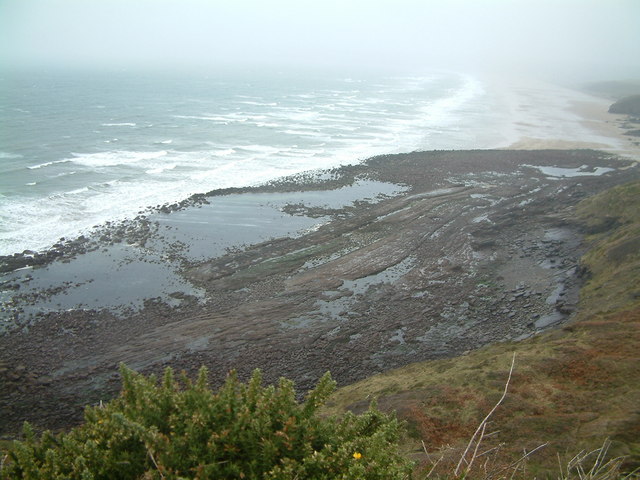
(77, 150)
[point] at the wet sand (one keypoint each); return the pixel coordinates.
(357, 270)
(608, 129)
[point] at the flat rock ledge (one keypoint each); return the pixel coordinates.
(482, 247)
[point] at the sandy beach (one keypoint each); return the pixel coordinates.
(603, 130)
(355, 270)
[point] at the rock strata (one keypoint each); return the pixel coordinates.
(481, 247)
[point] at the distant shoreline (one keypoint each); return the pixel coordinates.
(594, 116)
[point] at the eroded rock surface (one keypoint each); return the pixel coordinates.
(481, 247)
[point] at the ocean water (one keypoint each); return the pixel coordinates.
(78, 149)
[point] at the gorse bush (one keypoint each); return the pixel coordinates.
(182, 429)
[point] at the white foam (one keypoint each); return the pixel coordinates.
(305, 96)
(113, 158)
(212, 118)
(46, 164)
(28, 223)
(9, 155)
(259, 104)
(63, 174)
(299, 115)
(268, 124)
(331, 127)
(224, 153)
(304, 133)
(161, 169)
(77, 191)
(263, 149)
(558, 172)
(444, 109)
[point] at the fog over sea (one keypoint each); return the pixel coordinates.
(79, 149)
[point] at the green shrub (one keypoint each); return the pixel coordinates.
(183, 429)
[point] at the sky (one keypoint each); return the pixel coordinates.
(594, 38)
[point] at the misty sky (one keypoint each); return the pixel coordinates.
(595, 38)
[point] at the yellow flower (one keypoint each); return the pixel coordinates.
(357, 455)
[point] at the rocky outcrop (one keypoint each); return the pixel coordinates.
(482, 247)
(627, 106)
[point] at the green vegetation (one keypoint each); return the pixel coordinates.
(627, 106)
(243, 431)
(613, 219)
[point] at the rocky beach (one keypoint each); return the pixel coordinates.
(355, 240)
(355, 270)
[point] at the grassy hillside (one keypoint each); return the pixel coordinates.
(571, 388)
(627, 106)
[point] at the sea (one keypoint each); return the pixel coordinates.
(80, 148)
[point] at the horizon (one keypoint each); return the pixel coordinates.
(566, 39)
